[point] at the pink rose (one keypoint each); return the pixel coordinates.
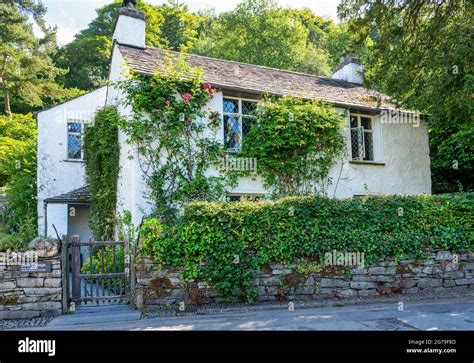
(186, 102)
(189, 122)
(206, 86)
(168, 102)
(187, 96)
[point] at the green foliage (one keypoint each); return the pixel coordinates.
(261, 32)
(27, 73)
(224, 243)
(18, 175)
(113, 262)
(87, 57)
(170, 119)
(295, 142)
(101, 157)
(422, 53)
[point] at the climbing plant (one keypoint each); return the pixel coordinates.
(174, 135)
(296, 142)
(101, 156)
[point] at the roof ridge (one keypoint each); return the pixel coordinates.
(246, 64)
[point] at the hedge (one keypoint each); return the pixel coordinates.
(224, 243)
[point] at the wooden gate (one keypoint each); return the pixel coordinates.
(103, 276)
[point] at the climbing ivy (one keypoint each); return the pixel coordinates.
(296, 142)
(101, 156)
(174, 135)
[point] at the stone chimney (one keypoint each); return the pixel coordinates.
(349, 69)
(130, 26)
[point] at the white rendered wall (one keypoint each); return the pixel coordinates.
(130, 31)
(402, 164)
(350, 73)
(56, 175)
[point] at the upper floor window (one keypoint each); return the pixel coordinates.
(362, 137)
(75, 132)
(239, 115)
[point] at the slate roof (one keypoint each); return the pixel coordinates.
(258, 79)
(81, 195)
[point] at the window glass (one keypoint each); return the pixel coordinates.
(74, 140)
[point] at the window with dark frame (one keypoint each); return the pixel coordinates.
(362, 140)
(239, 115)
(75, 131)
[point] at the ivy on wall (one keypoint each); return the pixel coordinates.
(101, 156)
(296, 142)
(224, 243)
(174, 135)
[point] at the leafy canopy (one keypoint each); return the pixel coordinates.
(422, 53)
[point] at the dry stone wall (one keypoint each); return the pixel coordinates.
(158, 287)
(26, 295)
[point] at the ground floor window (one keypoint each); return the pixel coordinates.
(244, 197)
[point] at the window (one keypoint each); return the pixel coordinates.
(75, 131)
(362, 140)
(239, 115)
(244, 197)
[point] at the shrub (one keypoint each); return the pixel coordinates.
(101, 157)
(224, 243)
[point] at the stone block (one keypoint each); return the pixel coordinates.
(360, 285)
(21, 314)
(448, 283)
(52, 282)
(42, 290)
(345, 292)
(47, 305)
(443, 256)
(371, 292)
(382, 278)
(412, 290)
(30, 282)
(305, 290)
(464, 281)
(7, 285)
(268, 281)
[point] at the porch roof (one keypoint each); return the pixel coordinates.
(81, 195)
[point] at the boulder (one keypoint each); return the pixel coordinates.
(45, 247)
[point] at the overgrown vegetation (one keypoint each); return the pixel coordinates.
(18, 225)
(422, 54)
(101, 157)
(295, 142)
(169, 119)
(224, 243)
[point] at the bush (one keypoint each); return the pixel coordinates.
(224, 243)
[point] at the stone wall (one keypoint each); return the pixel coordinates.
(26, 295)
(157, 287)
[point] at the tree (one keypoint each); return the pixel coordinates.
(260, 32)
(27, 73)
(87, 57)
(422, 54)
(18, 174)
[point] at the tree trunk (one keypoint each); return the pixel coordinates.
(8, 109)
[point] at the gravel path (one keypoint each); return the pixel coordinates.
(24, 323)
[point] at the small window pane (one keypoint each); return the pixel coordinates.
(231, 132)
(74, 127)
(357, 144)
(248, 108)
(231, 106)
(247, 122)
(354, 121)
(233, 198)
(74, 146)
(369, 146)
(366, 123)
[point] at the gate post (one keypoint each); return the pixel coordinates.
(76, 267)
(65, 272)
(126, 252)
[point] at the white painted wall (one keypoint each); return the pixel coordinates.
(130, 30)
(56, 175)
(351, 72)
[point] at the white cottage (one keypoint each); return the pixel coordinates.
(387, 154)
